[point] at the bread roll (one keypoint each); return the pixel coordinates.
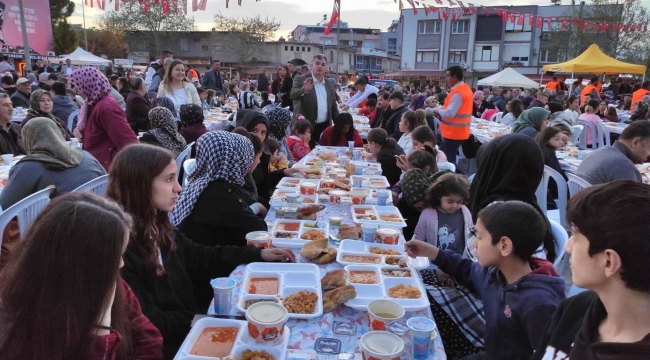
(338, 296)
(326, 257)
(333, 279)
(314, 249)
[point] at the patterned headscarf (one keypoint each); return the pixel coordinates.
(163, 127)
(279, 120)
(166, 103)
(35, 106)
(191, 114)
(94, 85)
(414, 186)
(220, 155)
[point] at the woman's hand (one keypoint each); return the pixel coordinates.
(445, 279)
(402, 163)
(284, 255)
(290, 172)
(78, 134)
(416, 248)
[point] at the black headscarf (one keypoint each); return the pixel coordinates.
(509, 167)
(248, 119)
(191, 114)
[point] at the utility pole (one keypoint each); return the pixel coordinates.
(578, 48)
(83, 14)
(338, 40)
(23, 28)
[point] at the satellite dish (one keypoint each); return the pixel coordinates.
(302, 37)
(463, 66)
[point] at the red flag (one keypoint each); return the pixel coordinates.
(415, 9)
(117, 5)
(583, 25)
(194, 5)
(165, 6)
(433, 9)
(335, 16)
(504, 15)
(564, 23)
(531, 19)
(146, 6)
(472, 8)
(202, 4)
(426, 10)
(520, 19)
(462, 6)
(549, 22)
(445, 14)
(540, 21)
(487, 12)
(512, 17)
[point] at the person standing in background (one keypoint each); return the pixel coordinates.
(212, 79)
(287, 85)
(639, 94)
(592, 89)
(363, 90)
(263, 83)
(156, 65)
(109, 70)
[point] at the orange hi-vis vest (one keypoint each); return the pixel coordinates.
(552, 85)
(637, 96)
(587, 90)
(457, 128)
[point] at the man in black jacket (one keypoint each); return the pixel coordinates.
(610, 248)
(396, 101)
(213, 79)
(21, 97)
(383, 110)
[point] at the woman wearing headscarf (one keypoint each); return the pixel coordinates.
(41, 105)
(50, 160)
(509, 167)
(163, 131)
(223, 161)
(279, 120)
(102, 125)
(193, 127)
(167, 103)
(480, 104)
(531, 122)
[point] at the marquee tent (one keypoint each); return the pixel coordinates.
(594, 61)
(508, 77)
(83, 57)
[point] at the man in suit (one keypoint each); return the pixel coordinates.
(314, 97)
(212, 79)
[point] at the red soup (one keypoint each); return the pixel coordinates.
(215, 342)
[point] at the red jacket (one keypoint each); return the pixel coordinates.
(326, 138)
(297, 147)
(107, 131)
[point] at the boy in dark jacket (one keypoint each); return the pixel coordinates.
(610, 248)
(519, 292)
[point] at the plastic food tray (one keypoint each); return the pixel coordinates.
(297, 242)
(372, 196)
(291, 183)
(372, 181)
(278, 197)
(360, 248)
(292, 278)
(377, 212)
(242, 340)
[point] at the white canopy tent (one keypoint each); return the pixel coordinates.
(83, 57)
(508, 78)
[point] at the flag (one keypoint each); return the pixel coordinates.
(415, 9)
(472, 8)
(512, 17)
(451, 3)
(540, 21)
(202, 4)
(504, 15)
(335, 16)
(564, 23)
(462, 6)
(549, 22)
(165, 6)
(520, 19)
(195, 5)
(445, 14)
(146, 6)
(426, 10)
(531, 19)
(439, 2)
(487, 12)
(583, 25)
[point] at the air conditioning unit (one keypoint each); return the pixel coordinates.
(546, 36)
(51, 53)
(463, 66)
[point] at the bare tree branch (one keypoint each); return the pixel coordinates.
(245, 36)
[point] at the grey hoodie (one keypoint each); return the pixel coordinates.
(63, 107)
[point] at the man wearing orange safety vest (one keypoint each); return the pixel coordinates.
(456, 115)
(553, 84)
(590, 89)
(639, 94)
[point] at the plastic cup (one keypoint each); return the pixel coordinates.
(336, 220)
(307, 188)
(382, 312)
(342, 161)
(359, 169)
(292, 198)
(381, 345)
(350, 145)
(422, 331)
(259, 239)
(222, 288)
(388, 236)
(368, 232)
(7, 159)
(581, 154)
(382, 197)
(356, 181)
(356, 154)
(266, 322)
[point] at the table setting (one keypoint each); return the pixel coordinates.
(485, 130)
(6, 162)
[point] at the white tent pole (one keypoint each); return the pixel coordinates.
(572, 81)
(642, 80)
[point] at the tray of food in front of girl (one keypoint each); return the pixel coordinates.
(213, 338)
(296, 286)
(296, 233)
(354, 252)
(381, 282)
(377, 215)
(371, 181)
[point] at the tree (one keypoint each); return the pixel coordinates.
(155, 28)
(106, 39)
(65, 39)
(245, 37)
(60, 10)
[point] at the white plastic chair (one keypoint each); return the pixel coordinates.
(71, 117)
(96, 186)
(576, 183)
(604, 135)
(446, 166)
(576, 130)
(583, 135)
(560, 237)
(184, 155)
(558, 215)
(471, 178)
(436, 121)
(496, 116)
(188, 167)
(26, 210)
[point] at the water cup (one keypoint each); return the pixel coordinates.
(382, 197)
(368, 232)
(356, 154)
(259, 239)
(356, 181)
(342, 161)
(350, 145)
(359, 169)
(381, 345)
(266, 322)
(222, 288)
(7, 159)
(382, 312)
(422, 331)
(20, 110)
(581, 154)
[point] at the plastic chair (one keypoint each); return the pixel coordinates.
(496, 116)
(73, 115)
(561, 237)
(471, 163)
(188, 167)
(96, 186)
(583, 135)
(576, 130)
(558, 215)
(26, 210)
(436, 121)
(604, 135)
(576, 183)
(471, 178)
(184, 155)
(446, 166)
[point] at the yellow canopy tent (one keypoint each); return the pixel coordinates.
(594, 61)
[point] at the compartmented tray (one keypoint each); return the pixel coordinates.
(283, 238)
(372, 196)
(279, 197)
(368, 214)
(292, 183)
(371, 283)
(242, 340)
(372, 181)
(292, 278)
(360, 248)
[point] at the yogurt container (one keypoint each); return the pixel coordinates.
(387, 236)
(381, 345)
(259, 239)
(266, 322)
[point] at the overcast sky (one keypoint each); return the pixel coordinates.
(291, 13)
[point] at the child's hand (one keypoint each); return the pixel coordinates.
(291, 172)
(403, 163)
(445, 279)
(416, 248)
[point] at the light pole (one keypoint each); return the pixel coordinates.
(23, 28)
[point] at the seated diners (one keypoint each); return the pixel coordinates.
(612, 321)
(224, 162)
(422, 135)
(62, 296)
(162, 266)
(590, 116)
(531, 122)
(519, 291)
(41, 105)
(138, 106)
(341, 132)
(192, 118)
(616, 162)
(163, 131)
(386, 150)
(410, 120)
(10, 138)
(50, 160)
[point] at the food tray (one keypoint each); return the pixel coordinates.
(356, 247)
(366, 293)
(377, 211)
(292, 278)
(303, 227)
(242, 340)
(372, 196)
(372, 181)
(289, 183)
(278, 197)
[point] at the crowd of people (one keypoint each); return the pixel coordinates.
(141, 259)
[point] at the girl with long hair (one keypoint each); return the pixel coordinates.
(168, 272)
(62, 297)
(385, 149)
(177, 88)
(341, 132)
(410, 121)
(298, 141)
(279, 78)
(550, 140)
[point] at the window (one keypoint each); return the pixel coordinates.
(292, 48)
(359, 63)
(517, 53)
(429, 27)
(520, 27)
(378, 64)
(353, 43)
(286, 48)
(184, 45)
(488, 28)
(460, 27)
(368, 63)
(426, 56)
(308, 49)
(486, 53)
(392, 44)
(303, 48)
(350, 60)
(456, 57)
(550, 56)
(369, 44)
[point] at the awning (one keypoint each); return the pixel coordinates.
(594, 61)
(508, 77)
(83, 57)
(411, 73)
(31, 56)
